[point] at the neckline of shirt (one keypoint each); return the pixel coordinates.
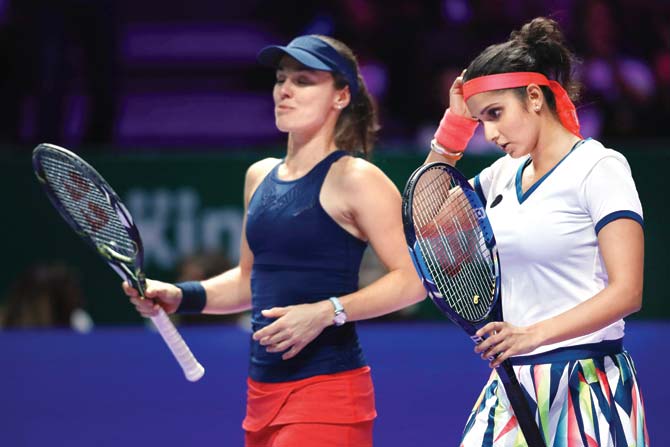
(522, 196)
(328, 157)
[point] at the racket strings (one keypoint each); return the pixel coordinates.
(86, 204)
(474, 262)
(456, 254)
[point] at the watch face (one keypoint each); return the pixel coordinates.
(340, 319)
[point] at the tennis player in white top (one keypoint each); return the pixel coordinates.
(569, 229)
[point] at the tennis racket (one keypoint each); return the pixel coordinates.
(454, 251)
(94, 211)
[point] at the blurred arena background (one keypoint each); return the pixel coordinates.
(166, 100)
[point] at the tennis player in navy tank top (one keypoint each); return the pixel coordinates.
(309, 218)
(300, 251)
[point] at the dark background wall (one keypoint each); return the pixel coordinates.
(167, 100)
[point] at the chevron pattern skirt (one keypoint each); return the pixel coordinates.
(589, 402)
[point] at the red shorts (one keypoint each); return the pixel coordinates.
(335, 407)
(312, 434)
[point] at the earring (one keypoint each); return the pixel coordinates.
(537, 107)
(338, 106)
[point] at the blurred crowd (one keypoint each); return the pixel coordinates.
(67, 69)
(46, 294)
(72, 65)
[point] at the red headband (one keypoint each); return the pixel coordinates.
(566, 109)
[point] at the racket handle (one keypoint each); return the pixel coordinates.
(524, 416)
(192, 369)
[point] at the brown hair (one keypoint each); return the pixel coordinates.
(539, 46)
(44, 295)
(357, 126)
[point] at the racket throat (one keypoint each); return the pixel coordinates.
(135, 278)
(107, 252)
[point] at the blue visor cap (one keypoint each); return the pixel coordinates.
(313, 53)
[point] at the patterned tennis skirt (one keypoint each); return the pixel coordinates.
(591, 401)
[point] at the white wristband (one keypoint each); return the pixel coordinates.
(438, 149)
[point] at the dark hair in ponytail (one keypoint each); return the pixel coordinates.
(539, 46)
(357, 126)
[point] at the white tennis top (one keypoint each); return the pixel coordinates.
(547, 237)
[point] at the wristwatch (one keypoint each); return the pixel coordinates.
(340, 315)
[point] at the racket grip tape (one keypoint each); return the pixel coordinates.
(193, 370)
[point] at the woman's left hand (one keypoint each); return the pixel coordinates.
(295, 327)
(504, 340)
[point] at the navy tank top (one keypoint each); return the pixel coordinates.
(301, 255)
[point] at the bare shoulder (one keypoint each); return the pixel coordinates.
(360, 197)
(260, 168)
(356, 173)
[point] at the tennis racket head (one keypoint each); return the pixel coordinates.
(91, 207)
(452, 244)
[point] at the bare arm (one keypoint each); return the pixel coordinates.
(376, 207)
(434, 156)
(229, 292)
(622, 246)
(457, 106)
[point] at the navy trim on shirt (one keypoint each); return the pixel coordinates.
(520, 195)
(623, 214)
(479, 190)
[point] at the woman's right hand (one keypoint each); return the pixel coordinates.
(157, 293)
(457, 103)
